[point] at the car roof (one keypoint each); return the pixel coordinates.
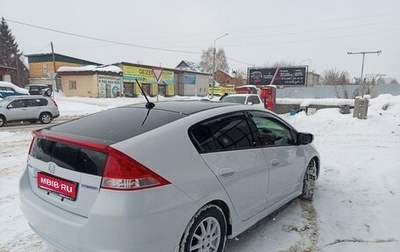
(17, 97)
(186, 107)
(242, 95)
(39, 85)
(130, 120)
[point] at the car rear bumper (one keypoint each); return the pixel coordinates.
(134, 222)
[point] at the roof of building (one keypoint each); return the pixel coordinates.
(90, 69)
(48, 57)
(189, 66)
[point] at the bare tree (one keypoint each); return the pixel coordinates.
(340, 80)
(207, 59)
(283, 63)
(380, 81)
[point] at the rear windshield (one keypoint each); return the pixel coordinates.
(117, 124)
(234, 99)
(69, 156)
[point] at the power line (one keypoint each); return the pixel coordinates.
(102, 40)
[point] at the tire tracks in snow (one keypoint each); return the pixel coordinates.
(309, 232)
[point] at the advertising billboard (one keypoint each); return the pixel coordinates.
(148, 75)
(280, 76)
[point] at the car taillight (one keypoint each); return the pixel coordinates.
(55, 103)
(124, 173)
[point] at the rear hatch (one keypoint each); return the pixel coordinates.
(67, 162)
(65, 174)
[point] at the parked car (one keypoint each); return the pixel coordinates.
(39, 89)
(248, 99)
(9, 89)
(28, 108)
(169, 176)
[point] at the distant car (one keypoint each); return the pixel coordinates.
(168, 176)
(247, 99)
(28, 108)
(9, 89)
(39, 89)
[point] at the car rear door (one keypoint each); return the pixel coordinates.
(228, 148)
(35, 107)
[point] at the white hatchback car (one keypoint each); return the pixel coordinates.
(30, 108)
(169, 176)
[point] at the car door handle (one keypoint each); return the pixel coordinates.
(275, 162)
(226, 171)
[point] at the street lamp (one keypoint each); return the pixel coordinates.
(361, 92)
(213, 65)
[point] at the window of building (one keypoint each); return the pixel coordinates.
(71, 84)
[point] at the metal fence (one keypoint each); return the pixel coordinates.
(331, 91)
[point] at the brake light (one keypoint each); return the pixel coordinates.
(55, 103)
(124, 173)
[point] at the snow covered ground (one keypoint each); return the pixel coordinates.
(356, 203)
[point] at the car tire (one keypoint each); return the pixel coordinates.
(45, 118)
(310, 178)
(2, 121)
(206, 231)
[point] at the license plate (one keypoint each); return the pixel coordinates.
(62, 187)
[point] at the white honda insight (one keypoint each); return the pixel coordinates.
(169, 176)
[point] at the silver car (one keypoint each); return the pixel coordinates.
(169, 176)
(28, 108)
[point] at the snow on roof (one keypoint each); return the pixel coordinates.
(15, 87)
(92, 68)
(189, 66)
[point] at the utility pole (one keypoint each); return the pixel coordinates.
(213, 65)
(54, 69)
(362, 84)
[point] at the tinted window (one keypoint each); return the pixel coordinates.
(254, 100)
(37, 102)
(69, 156)
(234, 99)
(271, 131)
(18, 104)
(229, 132)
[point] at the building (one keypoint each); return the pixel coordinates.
(5, 73)
(91, 81)
(153, 80)
(42, 67)
(182, 80)
(227, 80)
(77, 77)
(312, 79)
(191, 80)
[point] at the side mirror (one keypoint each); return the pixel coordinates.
(304, 138)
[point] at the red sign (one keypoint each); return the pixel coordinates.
(57, 185)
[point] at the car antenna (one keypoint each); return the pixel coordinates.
(149, 104)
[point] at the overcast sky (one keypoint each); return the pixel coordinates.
(318, 33)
